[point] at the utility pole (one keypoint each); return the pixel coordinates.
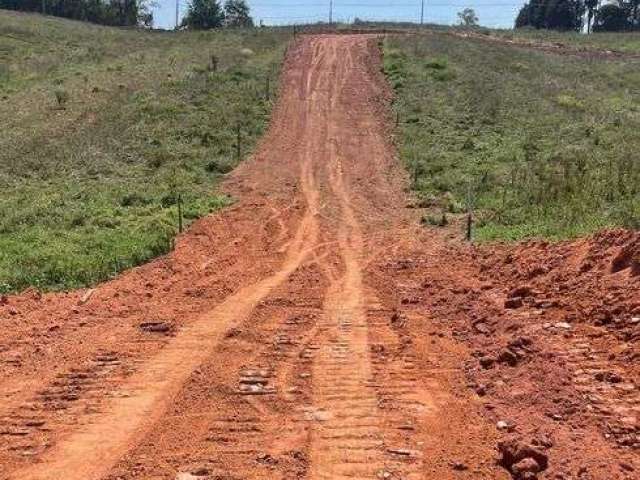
(330, 12)
(44, 6)
(422, 13)
(177, 13)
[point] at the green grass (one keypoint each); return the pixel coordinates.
(104, 128)
(628, 42)
(539, 145)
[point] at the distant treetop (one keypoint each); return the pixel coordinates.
(206, 14)
(105, 12)
(237, 14)
(613, 15)
(203, 15)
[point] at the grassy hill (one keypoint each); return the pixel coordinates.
(539, 144)
(104, 129)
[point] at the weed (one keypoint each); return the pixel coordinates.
(62, 97)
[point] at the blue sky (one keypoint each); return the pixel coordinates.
(492, 13)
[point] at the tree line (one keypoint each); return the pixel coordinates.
(205, 14)
(201, 14)
(106, 12)
(597, 16)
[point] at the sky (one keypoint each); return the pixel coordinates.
(492, 13)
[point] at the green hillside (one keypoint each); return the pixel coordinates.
(104, 129)
(538, 144)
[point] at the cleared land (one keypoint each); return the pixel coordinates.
(316, 330)
(539, 145)
(104, 129)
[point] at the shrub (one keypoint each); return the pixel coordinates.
(62, 98)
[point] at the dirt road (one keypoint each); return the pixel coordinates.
(293, 370)
(281, 339)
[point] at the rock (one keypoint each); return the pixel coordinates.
(627, 467)
(459, 466)
(525, 468)
(508, 357)
(563, 325)
(628, 257)
(543, 304)
(514, 451)
(4, 300)
(522, 291)
(543, 440)
(521, 342)
(233, 332)
(503, 425)
(610, 377)
(266, 459)
(156, 327)
(481, 390)
(486, 362)
(513, 303)
(482, 327)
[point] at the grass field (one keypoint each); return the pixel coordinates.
(104, 129)
(621, 42)
(538, 145)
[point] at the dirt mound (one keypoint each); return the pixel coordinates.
(553, 333)
(629, 257)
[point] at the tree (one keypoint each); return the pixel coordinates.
(468, 17)
(552, 14)
(634, 6)
(107, 12)
(592, 7)
(237, 14)
(611, 18)
(203, 15)
(565, 15)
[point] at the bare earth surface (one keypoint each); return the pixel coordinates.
(314, 330)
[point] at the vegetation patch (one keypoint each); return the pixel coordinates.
(536, 144)
(106, 131)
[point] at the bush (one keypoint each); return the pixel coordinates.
(62, 97)
(220, 165)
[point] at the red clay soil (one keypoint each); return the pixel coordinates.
(315, 330)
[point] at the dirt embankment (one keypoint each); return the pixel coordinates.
(553, 332)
